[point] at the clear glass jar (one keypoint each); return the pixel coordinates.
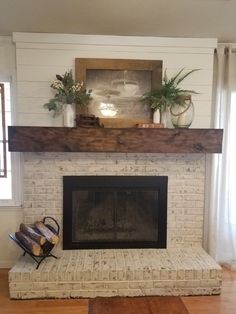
(182, 114)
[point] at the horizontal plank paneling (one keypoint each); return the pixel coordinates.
(35, 105)
(34, 89)
(201, 121)
(110, 47)
(113, 40)
(203, 76)
(37, 139)
(35, 73)
(47, 74)
(201, 107)
(66, 58)
(39, 119)
(39, 61)
(32, 105)
(37, 90)
(42, 89)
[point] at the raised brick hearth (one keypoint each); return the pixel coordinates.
(120, 272)
(183, 269)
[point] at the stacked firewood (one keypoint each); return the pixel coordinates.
(37, 238)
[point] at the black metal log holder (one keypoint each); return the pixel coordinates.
(47, 247)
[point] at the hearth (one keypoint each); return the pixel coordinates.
(114, 212)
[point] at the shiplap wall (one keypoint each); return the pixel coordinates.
(40, 56)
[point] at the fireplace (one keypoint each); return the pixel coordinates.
(114, 212)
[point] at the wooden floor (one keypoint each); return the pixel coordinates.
(223, 304)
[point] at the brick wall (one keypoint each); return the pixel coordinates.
(43, 192)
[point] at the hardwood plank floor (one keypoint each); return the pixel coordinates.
(223, 304)
(144, 305)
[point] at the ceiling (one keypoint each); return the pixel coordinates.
(168, 18)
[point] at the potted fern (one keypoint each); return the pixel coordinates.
(169, 97)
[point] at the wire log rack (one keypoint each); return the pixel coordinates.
(47, 247)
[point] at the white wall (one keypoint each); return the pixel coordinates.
(10, 218)
(7, 57)
(41, 56)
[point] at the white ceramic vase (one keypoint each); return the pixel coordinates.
(156, 116)
(69, 115)
(166, 118)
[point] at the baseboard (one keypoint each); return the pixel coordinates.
(7, 263)
(231, 265)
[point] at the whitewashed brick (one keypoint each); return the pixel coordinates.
(141, 284)
(43, 184)
(120, 272)
(130, 292)
(105, 293)
(82, 293)
(173, 272)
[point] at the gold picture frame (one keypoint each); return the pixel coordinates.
(117, 86)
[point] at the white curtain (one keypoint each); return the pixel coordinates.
(221, 227)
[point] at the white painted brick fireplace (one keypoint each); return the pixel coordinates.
(184, 268)
(43, 190)
(181, 269)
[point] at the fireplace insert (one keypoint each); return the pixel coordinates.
(114, 212)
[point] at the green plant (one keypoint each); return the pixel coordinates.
(169, 93)
(67, 92)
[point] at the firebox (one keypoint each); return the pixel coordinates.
(114, 212)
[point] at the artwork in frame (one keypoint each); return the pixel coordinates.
(117, 87)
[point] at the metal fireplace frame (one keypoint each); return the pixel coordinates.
(72, 183)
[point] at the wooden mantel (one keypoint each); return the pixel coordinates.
(130, 140)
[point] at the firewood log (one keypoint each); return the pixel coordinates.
(33, 234)
(46, 232)
(28, 243)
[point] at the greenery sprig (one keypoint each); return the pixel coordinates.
(67, 92)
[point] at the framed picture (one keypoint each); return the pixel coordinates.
(117, 88)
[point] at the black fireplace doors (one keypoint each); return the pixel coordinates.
(114, 212)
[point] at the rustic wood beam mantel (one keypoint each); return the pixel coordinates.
(130, 140)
